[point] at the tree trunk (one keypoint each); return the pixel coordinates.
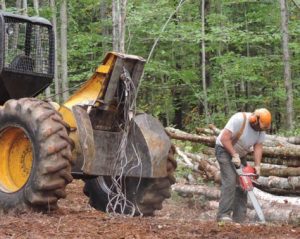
(115, 30)
(39, 47)
(208, 166)
(205, 104)
(104, 28)
(280, 172)
(244, 84)
(3, 6)
(122, 24)
(227, 107)
(209, 192)
(294, 140)
(178, 106)
(63, 41)
(119, 14)
(16, 29)
(279, 161)
(54, 24)
(36, 7)
(205, 131)
(24, 9)
(287, 68)
(291, 184)
(180, 135)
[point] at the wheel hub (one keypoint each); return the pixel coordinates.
(15, 159)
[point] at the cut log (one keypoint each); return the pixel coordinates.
(287, 152)
(209, 151)
(290, 201)
(276, 141)
(286, 215)
(279, 186)
(194, 167)
(208, 166)
(180, 135)
(277, 170)
(208, 192)
(294, 140)
(214, 128)
(186, 160)
(278, 161)
(280, 172)
(197, 157)
(205, 131)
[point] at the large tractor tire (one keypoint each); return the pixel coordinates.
(147, 195)
(35, 155)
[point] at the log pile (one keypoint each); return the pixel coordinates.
(287, 209)
(280, 168)
(280, 171)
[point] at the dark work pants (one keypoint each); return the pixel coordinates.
(233, 201)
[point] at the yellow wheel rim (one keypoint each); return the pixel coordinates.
(15, 159)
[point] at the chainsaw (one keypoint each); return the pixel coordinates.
(246, 175)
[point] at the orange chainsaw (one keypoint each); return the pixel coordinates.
(246, 175)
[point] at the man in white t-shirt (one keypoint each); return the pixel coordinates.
(243, 133)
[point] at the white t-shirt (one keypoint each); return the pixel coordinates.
(248, 138)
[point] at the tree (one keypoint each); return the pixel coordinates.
(36, 8)
(119, 13)
(103, 19)
(243, 51)
(24, 9)
(287, 68)
(2, 7)
(204, 62)
(63, 42)
(54, 24)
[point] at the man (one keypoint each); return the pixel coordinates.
(243, 133)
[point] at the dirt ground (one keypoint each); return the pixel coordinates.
(180, 218)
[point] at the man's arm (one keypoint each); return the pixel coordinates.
(257, 154)
(226, 140)
(258, 149)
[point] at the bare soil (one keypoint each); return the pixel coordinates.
(180, 218)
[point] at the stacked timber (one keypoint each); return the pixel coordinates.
(280, 168)
(278, 187)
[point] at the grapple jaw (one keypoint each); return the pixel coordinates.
(140, 152)
(110, 139)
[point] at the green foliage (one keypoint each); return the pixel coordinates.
(243, 44)
(244, 65)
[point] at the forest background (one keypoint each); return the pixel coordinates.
(205, 59)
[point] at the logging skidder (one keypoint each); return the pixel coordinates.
(242, 133)
(124, 158)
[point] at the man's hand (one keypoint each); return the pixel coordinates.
(257, 170)
(236, 160)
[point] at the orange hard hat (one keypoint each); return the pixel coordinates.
(264, 118)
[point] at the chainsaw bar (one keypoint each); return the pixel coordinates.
(246, 174)
(256, 206)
